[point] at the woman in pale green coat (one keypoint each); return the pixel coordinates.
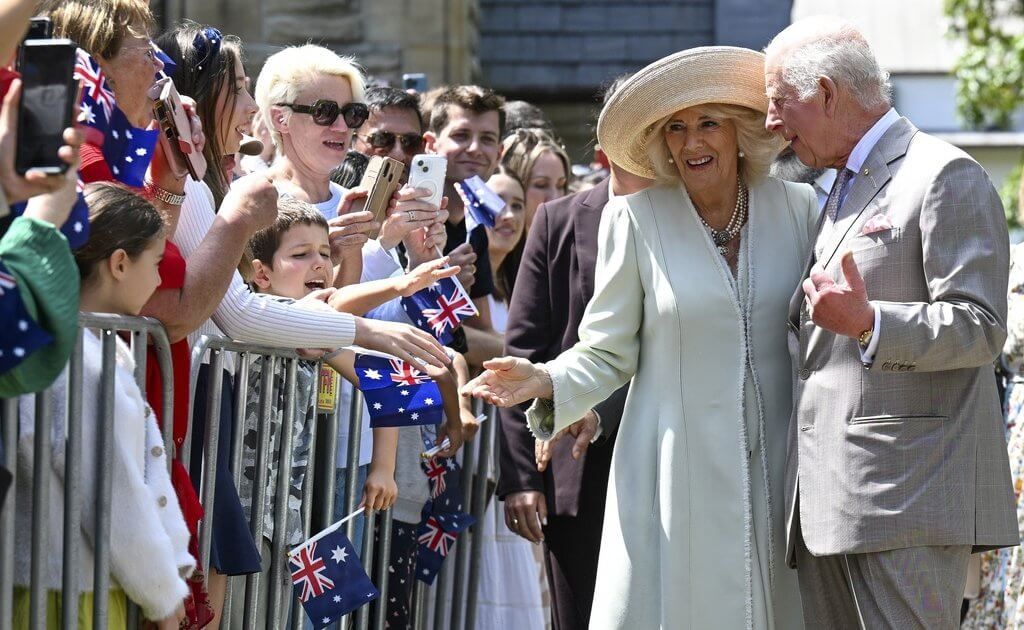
(693, 282)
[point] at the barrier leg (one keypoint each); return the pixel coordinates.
(383, 560)
(479, 509)
(281, 494)
(461, 561)
(72, 488)
(237, 435)
(139, 341)
(40, 510)
(419, 602)
(252, 581)
(9, 425)
(362, 614)
(209, 478)
(355, 431)
(104, 479)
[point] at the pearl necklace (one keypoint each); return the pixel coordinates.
(722, 238)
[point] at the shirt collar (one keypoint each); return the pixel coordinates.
(825, 180)
(870, 139)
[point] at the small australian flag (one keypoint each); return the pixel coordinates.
(436, 536)
(23, 335)
(328, 578)
(482, 204)
(397, 393)
(440, 309)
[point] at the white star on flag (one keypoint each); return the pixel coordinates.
(373, 375)
(415, 416)
(404, 392)
(87, 115)
(339, 555)
(428, 401)
(22, 325)
(377, 406)
(113, 132)
(115, 169)
(140, 151)
(401, 410)
(337, 598)
(327, 620)
(128, 159)
(78, 227)
(19, 352)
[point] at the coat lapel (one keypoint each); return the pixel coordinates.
(585, 222)
(873, 175)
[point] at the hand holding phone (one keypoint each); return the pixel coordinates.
(382, 178)
(428, 172)
(182, 154)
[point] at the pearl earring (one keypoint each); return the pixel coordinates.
(742, 154)
(671, 161)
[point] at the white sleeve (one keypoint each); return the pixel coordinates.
(378, 263)
(196, 218)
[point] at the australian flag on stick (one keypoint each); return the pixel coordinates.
(328, 578)
(436, 536)
(440, 309)
(482, 204)
(127, 149)
(397, 394)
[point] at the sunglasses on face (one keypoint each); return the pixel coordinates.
(411, 143)
(325, 112)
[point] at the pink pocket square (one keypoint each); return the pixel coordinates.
(877, 223)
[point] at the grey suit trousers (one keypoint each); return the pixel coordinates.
(915, 587)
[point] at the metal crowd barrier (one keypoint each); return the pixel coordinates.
(450, 603)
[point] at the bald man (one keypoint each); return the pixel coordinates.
(897, 463)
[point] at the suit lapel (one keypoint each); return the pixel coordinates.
(873, 175)
(586, 219)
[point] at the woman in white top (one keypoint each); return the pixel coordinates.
(693, 281)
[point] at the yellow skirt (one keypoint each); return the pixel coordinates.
(117, 610)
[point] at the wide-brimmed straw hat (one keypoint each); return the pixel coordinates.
(710, 74)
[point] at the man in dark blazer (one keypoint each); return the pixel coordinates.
(563, 506)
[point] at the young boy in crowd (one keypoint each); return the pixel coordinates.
(291, 260)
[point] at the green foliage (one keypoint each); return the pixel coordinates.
(990, 72)
(1009, 192)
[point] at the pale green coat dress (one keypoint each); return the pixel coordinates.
(693, 531)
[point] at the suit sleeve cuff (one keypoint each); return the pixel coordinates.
(867, 355)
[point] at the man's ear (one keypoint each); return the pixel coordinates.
(829, 94)
(117, 264)
(430, 142)
(259, 275)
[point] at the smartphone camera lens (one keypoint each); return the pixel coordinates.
(419, 163)
(425, 169)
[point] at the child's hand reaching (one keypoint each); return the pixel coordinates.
(425, 275)
(452, 431)
(380, 490)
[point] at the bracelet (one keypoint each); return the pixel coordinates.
(155, 192)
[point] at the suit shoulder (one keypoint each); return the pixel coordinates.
(926, 148)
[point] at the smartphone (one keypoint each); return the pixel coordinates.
(427, 172)
(415, 81)
(48, 93)
(176, 138)
(382, 178)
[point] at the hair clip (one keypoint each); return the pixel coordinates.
(207, 44)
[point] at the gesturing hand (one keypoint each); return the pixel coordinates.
(841, 308)
(583, 430)
(509, 381)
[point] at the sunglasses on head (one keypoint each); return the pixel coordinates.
(325, 112)
(385, 140)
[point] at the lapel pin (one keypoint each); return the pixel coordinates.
(867, 172)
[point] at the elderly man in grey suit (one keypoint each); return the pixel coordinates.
(897, 464)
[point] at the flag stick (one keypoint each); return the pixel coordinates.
(330, 529)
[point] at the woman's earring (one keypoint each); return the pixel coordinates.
(742, 154)
(671, 161)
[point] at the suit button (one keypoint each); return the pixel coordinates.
(157, 451)
(804, 374)
(162, 501)
(805, 428)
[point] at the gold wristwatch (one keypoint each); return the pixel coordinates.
(864, 339)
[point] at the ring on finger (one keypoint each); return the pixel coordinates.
(409, 215)
(515, 521)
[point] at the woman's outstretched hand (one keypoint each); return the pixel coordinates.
(509, 381)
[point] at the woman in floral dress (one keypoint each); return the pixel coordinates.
(1000, 603)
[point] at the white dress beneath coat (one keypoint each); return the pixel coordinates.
(693, 533)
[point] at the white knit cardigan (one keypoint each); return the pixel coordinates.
(149, 556)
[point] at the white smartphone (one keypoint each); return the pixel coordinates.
(427, 172)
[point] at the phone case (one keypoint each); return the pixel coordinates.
(428, 172)
(181, 154)
(382, 178)
(37, 148)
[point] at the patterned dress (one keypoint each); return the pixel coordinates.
(1000, 603)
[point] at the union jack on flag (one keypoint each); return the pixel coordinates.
(437, 472)
(440, 309)
(310, 573)
(435, 538)
(405, 374)
(96, 91)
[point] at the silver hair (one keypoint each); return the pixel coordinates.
(845, 57)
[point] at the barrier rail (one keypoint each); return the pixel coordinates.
(449, 603)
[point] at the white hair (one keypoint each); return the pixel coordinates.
(287, 71)
(843, 55)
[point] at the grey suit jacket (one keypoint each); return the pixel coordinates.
(909, 450)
